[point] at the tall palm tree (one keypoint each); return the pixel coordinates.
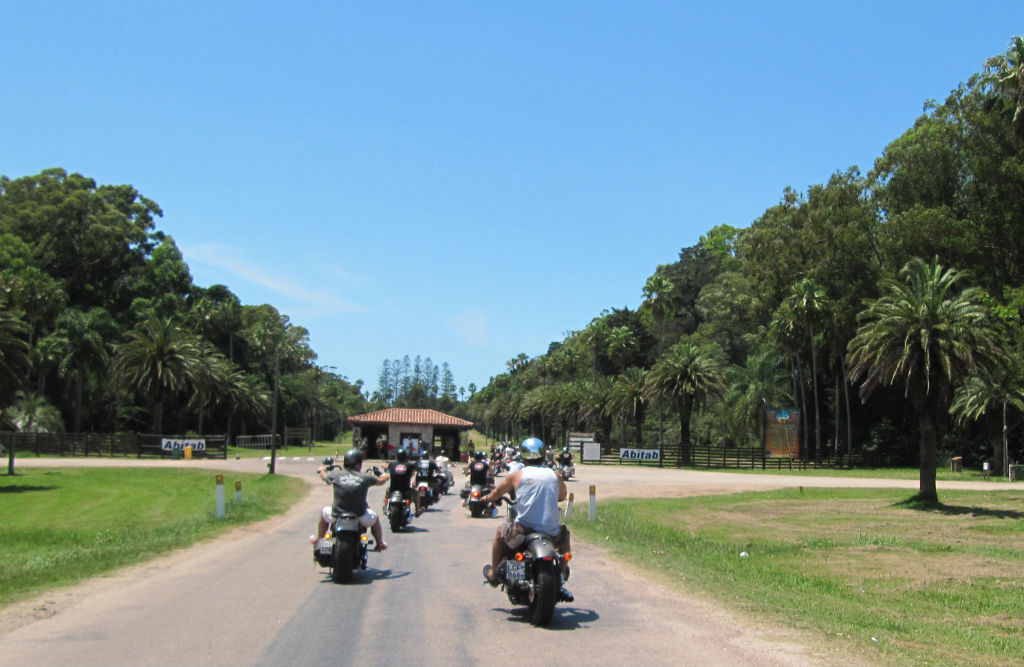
(83, 350)
(806, 300)
(157, 361)
(924, 334)
(629, 400)
(685, 377)
(657, 295)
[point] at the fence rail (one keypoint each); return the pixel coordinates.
(750, 458)
(109, 444)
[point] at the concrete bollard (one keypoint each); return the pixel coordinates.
(593, 503)
(220, 496)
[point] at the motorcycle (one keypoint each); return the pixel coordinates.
(442, 482)
(533, 575)
(566, 471)
(475, 500)
(428, 495)
(398, 510)
(343, 548)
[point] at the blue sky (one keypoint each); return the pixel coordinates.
(465, 181)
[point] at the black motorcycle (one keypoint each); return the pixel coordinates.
(398, 510)
(533, 575)
(343, 548)
(478, 507)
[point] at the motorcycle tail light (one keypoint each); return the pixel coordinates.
(520, 556)
(476, 494)
(364, 538)
(567, 557)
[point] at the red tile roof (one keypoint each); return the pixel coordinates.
(410, 416)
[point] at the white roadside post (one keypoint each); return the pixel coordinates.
(220, 496)
(593, 503)
(568, 509)
(238, 491)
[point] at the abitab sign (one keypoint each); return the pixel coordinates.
(179, 444)
(638, 454)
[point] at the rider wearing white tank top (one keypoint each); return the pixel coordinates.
(537, 500)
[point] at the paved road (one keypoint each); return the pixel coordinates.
(255, 597)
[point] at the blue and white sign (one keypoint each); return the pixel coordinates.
(179, 444)
(639, 454)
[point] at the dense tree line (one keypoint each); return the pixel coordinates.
(102, 328)
(886, 306)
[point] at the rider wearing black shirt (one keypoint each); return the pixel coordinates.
(403, 476)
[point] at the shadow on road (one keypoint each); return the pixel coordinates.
(367, 576)
(565, 618)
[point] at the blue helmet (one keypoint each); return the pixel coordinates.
(532, 449)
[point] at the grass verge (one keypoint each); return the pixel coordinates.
(896, 583)
(59, 526)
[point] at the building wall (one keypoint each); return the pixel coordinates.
(395, 431)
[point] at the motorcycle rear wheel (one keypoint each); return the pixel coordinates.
(545, 593)
(342, 555)
(395, 518)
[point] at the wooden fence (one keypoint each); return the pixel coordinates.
(109, 444)
(750, 458)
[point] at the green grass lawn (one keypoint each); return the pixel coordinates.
(59, 526)
(862, 570)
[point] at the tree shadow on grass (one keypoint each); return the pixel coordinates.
(917, 503)
(23, 489)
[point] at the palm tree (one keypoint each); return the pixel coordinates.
(628, 399)
(925, 335)
(806, 299)
(157, 361)
(657, 295)
(1001, 387)
(32, 413)
(14, 350)
(82, 342)
(1005, 73)
(685, 377)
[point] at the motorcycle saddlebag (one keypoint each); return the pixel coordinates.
(322, 551)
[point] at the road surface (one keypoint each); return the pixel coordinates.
(255, 596)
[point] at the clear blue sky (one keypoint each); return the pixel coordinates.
(467, 180)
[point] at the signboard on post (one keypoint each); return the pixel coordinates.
(584, 446)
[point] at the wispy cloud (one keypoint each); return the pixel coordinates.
(227, 259)
(473, 326)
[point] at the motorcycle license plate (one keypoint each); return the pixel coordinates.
(516, 570)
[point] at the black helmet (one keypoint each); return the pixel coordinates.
(402, 454)
(353, 458)
(328, 460)
(479, 456)
(565, 450)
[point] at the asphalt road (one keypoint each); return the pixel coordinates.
(255, 597)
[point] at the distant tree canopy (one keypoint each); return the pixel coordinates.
(102, 328)
(776, 312)
(417, 383)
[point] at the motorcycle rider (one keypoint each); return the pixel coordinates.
(479, 474)
(565, 457)
(350, 487)
(425, 471)
(538, 490)
(403, 478)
